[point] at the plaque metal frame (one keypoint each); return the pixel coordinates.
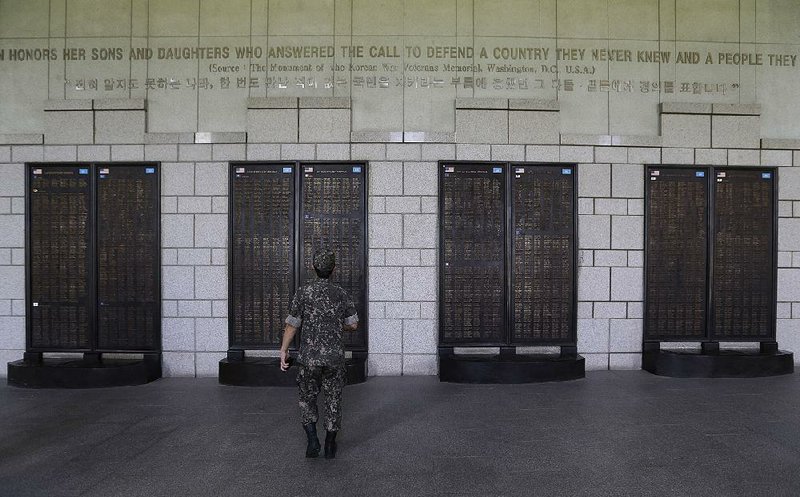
(646, 258)
(508, 256)
(236, 350)
(571, 340)
(93, 263)
(709, 339)
(361, 299)
(773, 251)
(234, 344)
(90, 258)
(505, 217)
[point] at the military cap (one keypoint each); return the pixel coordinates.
(324, 260)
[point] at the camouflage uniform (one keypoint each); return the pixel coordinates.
(322, 308)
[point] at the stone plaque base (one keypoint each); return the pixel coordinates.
(514, 368)
(721, 364)
(86, 372)
(266, 372)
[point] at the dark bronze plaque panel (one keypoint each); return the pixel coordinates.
(743, 277)
(543, 254)
(472, 225)
(128, 259)
(676, 248)
(332, 214)
(59, 232)
(262, 253)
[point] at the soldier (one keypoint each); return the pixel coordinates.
(323, 309)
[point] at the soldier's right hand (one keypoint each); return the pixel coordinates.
(284, 360)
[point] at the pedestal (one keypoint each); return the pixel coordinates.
(90, 371)
(266, 372)
(510, 368)
(718, 364)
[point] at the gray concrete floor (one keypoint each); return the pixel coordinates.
(613, 433)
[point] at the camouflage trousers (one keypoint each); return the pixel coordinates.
(331, 379)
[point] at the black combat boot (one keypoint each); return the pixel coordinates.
(330, 445)
(312, 449)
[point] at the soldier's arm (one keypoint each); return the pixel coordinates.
(350, 321)
(293, 322)
(288, 335)
(295, 317)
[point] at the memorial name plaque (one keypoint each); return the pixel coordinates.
(677, 249)
(128, 262)
(718, 289)
(59, 219)
(473, 218)
(94, 277)
(507, 261)
(743, 305)
(279, 214)
(333, 210)
(262, 253)
(543, 255)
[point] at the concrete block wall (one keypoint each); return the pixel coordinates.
(103, 121)
(12, 254)
(194, 216)
(402, 208)
(611, 249)
(788, 322)
(403, 240)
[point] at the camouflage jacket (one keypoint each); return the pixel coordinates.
(320, 309)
